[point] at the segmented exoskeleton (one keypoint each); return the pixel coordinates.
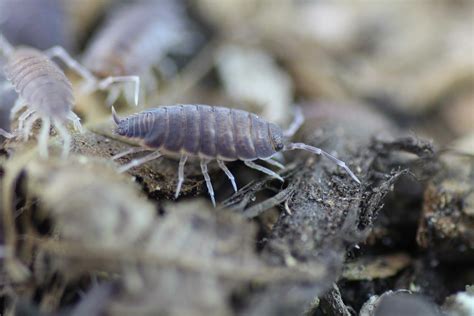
(210, 133)
(43, 88)
(134, 39)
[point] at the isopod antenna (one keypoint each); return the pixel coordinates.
(115, 116)
(319, 151)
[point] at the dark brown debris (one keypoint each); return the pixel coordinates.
(447, 219)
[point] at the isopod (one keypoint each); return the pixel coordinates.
(50, 26)
(44, 89)
(134, 39)
(210, 133)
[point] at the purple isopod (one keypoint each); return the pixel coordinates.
(43, 88)
(210, 133)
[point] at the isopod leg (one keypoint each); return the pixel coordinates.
(112, 96)
(182, 161)
(61, 53)
(23, 117)
(253, 165)
(228, 173)
(76, 122)
(66, 138)
(137, 162)
(29, 125)
(296, 124)
(131, 94)
(274, 163)
(133, 150)
(105, 83)
(43, 137)
(319, 151)
(207, 178)
(6, 134)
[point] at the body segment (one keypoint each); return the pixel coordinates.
(202, 131)
(40, 83)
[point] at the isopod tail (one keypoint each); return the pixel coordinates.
(115, 116)
(319, 151)
(6, 48)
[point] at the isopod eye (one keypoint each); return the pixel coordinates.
(122, 128)
(279, 147)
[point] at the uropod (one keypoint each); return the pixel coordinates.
(210, 133)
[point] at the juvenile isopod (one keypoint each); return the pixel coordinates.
(134, 39)
(210, 133)
(43, 88)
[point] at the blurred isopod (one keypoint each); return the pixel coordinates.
(135, 38)
(43, 89)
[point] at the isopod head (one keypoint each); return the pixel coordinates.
(128, 126)
(122, 125)
(276, 136)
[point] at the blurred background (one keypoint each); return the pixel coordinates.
(411, 61)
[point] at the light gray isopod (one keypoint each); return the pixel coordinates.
(43, 88)
(210, 133)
